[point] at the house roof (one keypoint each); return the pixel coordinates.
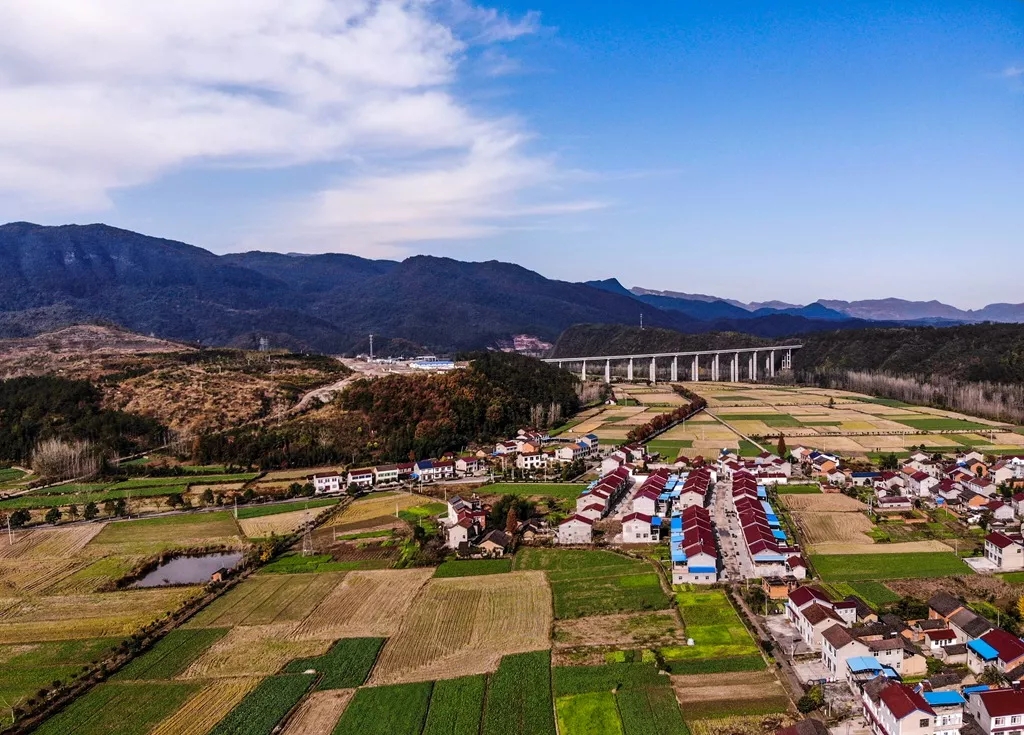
(1003, 702)
(944, 699)
(999, 539)
(837, 636)
(971, 623)
(940, 635)
(581, 519)
(886, 644)
(496, 536)
(805, 727)
(1009, 647)
(944, 603)
(804, 595)
(819, 613)
(637, 517)
(903, 701)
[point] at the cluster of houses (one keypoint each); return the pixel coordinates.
(692, 547)
(767, 468)
(449, 467)
(466, 532)
(531, 451)
(764, 542)
(874, 656)
(593, 504)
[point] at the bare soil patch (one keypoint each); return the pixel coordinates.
(630, 630)
(822, 503)
(319, 713)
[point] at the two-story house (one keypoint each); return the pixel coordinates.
(998, 711)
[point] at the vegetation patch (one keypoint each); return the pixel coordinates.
(259, 511)
(124, 708)
(565, 491)
(473, 567)
(798, 489)
(265, 706)
(391, 710)
(650, 711)
(295, 563)
(719, 708)
(857, 567)
(720, 637)
(583, 679)
(519, 696)
(456, 706)
(941, 424)
(582, 714)
(27, 668)
(172, 654)
(345, 666)
(266, 599)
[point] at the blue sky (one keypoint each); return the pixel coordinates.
(754, 150)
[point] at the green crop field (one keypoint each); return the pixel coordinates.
(798, 489)
(568, 680)
(125, 709)
(650, 711)
(583, 714)
(532, 558)
(721, 640)
(265, 706)
(1012, 577)
(858, 567)
(10, 475)
(345, 666)
(873, 593)
(605, 590)
(669, 448)
(392, 710)
(565, 491)
(260, 511)
(940, 423)
(473, 567)
(519, 696)
(456, 706)
(294, 563)
(171, 655)
(749, 449)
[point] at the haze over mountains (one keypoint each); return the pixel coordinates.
(51, 277)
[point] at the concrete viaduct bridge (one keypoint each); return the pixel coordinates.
(713, 368)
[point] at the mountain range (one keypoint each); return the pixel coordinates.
(52, 277)
(892, 309)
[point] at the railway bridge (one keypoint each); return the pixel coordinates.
(709, 363)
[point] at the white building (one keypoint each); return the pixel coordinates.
(576, 530)
(331, 482)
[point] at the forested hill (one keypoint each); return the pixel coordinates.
(614, 339)
(976, 352)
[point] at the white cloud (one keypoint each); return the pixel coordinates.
(1013, 72)
(99, 95)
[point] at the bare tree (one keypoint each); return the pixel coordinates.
(64, 460)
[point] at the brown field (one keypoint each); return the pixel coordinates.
(905, 547)
(318, 713)
(50, 542)
(201, 713)
(34, 575)
(365, 605)
(376, 506)
(133, 537)
(295, 475)
(745, 725)
(701, 688)
(268, 598)
(831, 502)
(465, 625)
(67, 617)
(842, 528)
(281, 524)
(632, 630)
(258, 650)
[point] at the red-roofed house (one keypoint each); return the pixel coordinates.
(636, 529)
(893, 708)
(576, 529)
(1006, 552)
(920, 484)
(998, 711)
(1001, 649)
(999, 510)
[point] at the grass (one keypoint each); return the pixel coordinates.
(29, 668)
(125, 709)
(519, 696)
(721, 641)
(890, 402)
(9, 475)
(1012, 577)
(568, 680)
(650, 711)
(583, 714)
(473, 567)
(345, 666)
(798, 489)
(532, 558)
(171, 528)
(669, 448)
(941, 424)
(390, 710)
(261, 511)
(384, 533)
(294, 563)
(456, 706)
(171, 655)
(875, 594)
(565, 491)
(859, 567)
(749, 449)
(264, 706)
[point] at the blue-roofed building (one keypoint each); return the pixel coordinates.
(944, 699)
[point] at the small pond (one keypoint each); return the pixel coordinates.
(188, 569)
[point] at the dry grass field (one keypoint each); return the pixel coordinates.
(735, 687)
(840, 528)
(462, 626)
(364, 605)
(318, 713)
(201, 713)
(853, 547)
(378, 505)
(268, 598)
(257, 650)
(67, 617)
(823, 503)
(627, 630)
(49, 542)
(281, 524)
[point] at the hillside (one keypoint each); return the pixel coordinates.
(52, 277)
(183, 388)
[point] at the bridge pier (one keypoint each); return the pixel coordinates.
(675, 369)
(771, 364)
(735, 368)
(716, 368)
(607, 371)
(583, 372)
(654, 370)
(629, 370)
(754, 363)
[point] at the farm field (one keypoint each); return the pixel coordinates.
(873, 593)
(721, 640)
(377, 506)
(102, 709)
(392, 710)
(713, 696)
(155, 535)
(261, 511)
(519, 696)
(566, 491)
(207, 707)
(473, 567)
(456, 706)
(585, 582)
(345, 666)
(263, 707)
(319, 712)
(840, 421)
(485, 618)
(859, 567)
(626, 631)
(279, 524)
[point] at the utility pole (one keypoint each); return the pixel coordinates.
(371, 348)
(235, 498)
(10, 533)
